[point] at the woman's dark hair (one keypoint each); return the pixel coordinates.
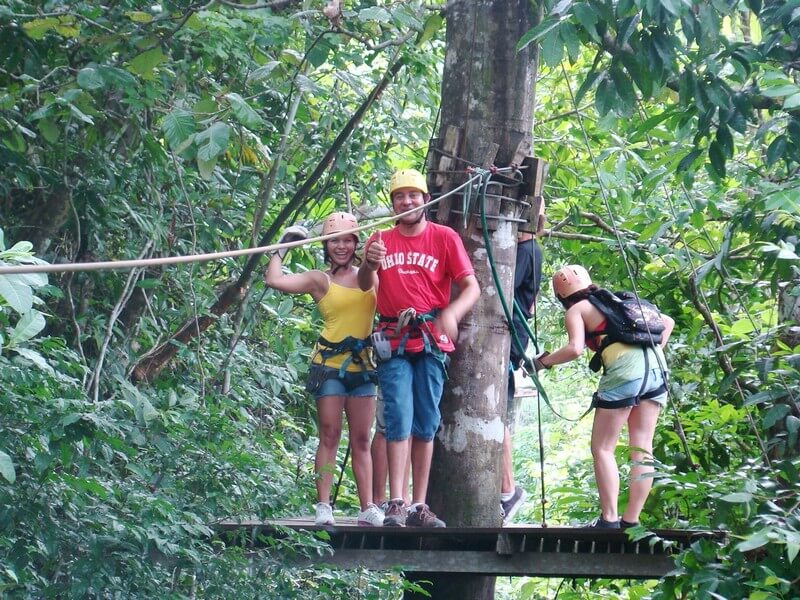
(577, 296)
(329, 261)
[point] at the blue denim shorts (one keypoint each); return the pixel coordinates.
(353, 383)
(625, 394)
(411, 387)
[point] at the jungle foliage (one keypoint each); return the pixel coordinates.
(177, 128)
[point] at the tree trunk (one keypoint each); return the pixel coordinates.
(488, 95)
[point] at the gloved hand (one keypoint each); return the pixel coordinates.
(291, 234)
(537, 361)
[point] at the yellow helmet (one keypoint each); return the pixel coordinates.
(339, 221)
(570, 279)
(408, 178)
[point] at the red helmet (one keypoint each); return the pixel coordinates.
(339, 222)
(570, 279)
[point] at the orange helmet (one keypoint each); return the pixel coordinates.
(338, 222)
(408, 178)
(570, 279)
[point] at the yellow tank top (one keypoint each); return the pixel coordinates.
(347, 312)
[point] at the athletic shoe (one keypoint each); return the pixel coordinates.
(623, 524)
(511, 506)
(601, 523)
(371, 516)
(420, 515)
(324, 514)
(395, 515)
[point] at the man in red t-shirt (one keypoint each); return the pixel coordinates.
(413, 267)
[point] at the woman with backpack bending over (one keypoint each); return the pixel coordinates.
(341, 376)
(632, 389)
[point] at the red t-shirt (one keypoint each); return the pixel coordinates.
(418, 272)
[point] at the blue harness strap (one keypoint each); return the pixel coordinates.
(351, 346)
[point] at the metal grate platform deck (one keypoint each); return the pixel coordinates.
(520, 550)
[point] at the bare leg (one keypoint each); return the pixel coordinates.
(641, 427)
(360, 411)
(379, 468)
(507, 485)
(607, 426)
(397, 453)
(421, 455)
(407, 476)
(329, 414)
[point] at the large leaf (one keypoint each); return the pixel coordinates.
(178, 126)
(18, 295)
(213, 141)
(29, 325)
(244, 112)
(7, 467)
(144, 63)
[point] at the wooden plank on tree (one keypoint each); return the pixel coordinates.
(443, 180)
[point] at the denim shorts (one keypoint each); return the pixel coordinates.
(411, 387)
(380, 422)
(353, 383)
(625, 394)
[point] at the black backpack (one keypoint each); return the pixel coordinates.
(629, 319)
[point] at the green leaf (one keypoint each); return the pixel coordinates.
(552, 49)
(605, 98)
(688, 160)
(781, 90)
(38, 28)
(206, 167)
(7, 468)
(432, 25)
(144, 63)
(791, 551)
(49, 130)
(375, 13)
(178, 126)
(717, 158)
(138, 16)
(587, 17)
(89, 78)
(776, 150)
(30, 324)
(758, 539)
(725, 140)
(737, 498)
(624, 90)
(792, 101)
(244, 112)
(17, 295)
(213, 141)
(36, 358)
(538, 32)
(263, 72)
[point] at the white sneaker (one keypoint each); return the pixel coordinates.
(324, 514)
(372, 516)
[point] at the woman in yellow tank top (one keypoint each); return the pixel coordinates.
(341, 376)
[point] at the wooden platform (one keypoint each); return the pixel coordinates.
(521, 550)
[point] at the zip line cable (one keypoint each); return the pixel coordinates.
(110, 265)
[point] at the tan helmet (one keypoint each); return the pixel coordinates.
(408, 178)
(338, 222)
(570, 279)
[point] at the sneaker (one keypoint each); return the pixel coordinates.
(395, 515)
(324, 514)
(420, 515)
(511, 506)
(370, 516)
(623, 524)
(601, 523)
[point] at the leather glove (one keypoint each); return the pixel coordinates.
(537, 361)
(291, 234)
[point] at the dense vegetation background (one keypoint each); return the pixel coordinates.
(176, 128)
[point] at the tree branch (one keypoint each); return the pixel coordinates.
(151, 364)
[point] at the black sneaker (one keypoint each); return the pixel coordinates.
(623, 524)
(395, 514)
(601, 523)
(421, 516)
(511, 506)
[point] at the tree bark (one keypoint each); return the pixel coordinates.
(488, 94)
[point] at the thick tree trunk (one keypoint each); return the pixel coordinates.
(488, 94)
